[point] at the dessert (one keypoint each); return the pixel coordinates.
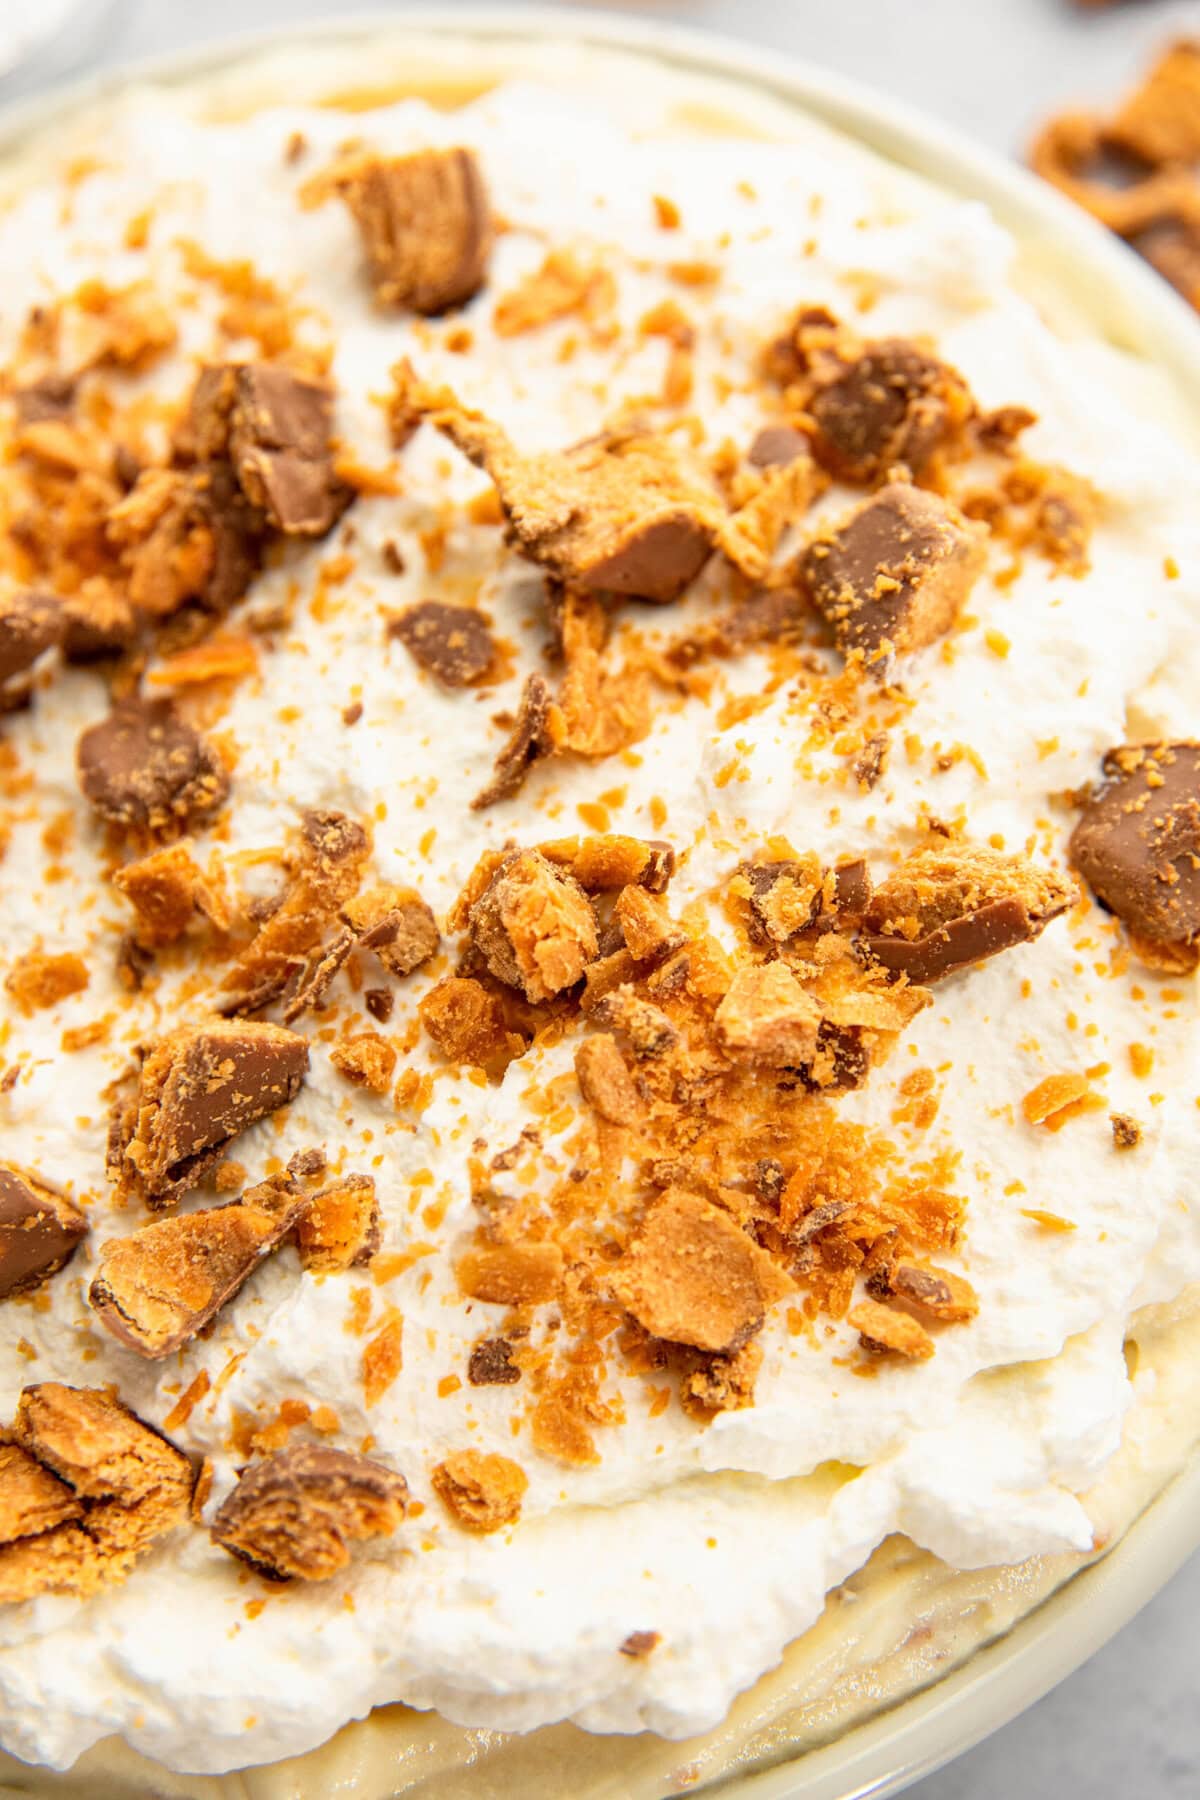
(600, 913)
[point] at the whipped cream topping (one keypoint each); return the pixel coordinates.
(722, 1539)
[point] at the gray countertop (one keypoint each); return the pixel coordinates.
(1127, 1726)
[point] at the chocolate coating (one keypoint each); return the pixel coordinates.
(1138, 843)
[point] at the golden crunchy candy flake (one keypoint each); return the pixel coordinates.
(38, 980)
(692, 1276)
(32, 1499)
(884, 1331)
(936, 1294)
(562, 286)
(482, 1492)
(767, 1017)
(1053, 1095)
(648, 929)
(340, 1228)
(294, 1514)
(468, 1025)
(167, 890)
(511, 1274)
(366, 1059)
(605, 1081)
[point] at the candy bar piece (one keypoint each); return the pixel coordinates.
(144, 769)
(491, 1364)
(531, 740)
(893, 576)
(1172, 246)
(943, 910)
(893, 404)
(199, 1086)
(396, 924)
(340, 1229)
(482, 1492)
(885, 1331)
(325, 871)
(294, 1514)
(600, 864)
(32, 1499)
(167, 890)
(466, 1021)
(692, 1276)
(1137, 844)
(534, 926)
(39, 1233)
(767, 1018)
(185, 535)
(1160, 122)
(130, 1486)
(451, 643)
(30, 622)
(279, 444)
(426, 226)
(622, 513)
(159, 1286)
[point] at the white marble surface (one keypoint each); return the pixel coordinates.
(1127, 1726)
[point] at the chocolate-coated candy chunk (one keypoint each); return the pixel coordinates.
(199, 1086)
(293, 1514)
(944, 910)
(777, 445)
(157, 1287)
(32, 1499)
(893, 404)
(452, 643)
(30, 622)
(39, 1233)
(279, 444)
(426, 226)
(144, 768)
(1138, 843)
(893, 576)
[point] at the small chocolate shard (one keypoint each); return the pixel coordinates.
(893, 404)
(396, 924)
(452, 643)
(532, 739)
(945, 909)
(50, 397)
(340, 1228)
(295, 1513)
(145, 770)
(894, 575)
(157, 1287)
(31, 622)
(692, 1276)
(39, 1233)
(130, 1486)
(639, 1643)
(491, 1364)
(426, 226)
(198, 1087)
(1137, 844)
(318, 976)
(534, 926)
